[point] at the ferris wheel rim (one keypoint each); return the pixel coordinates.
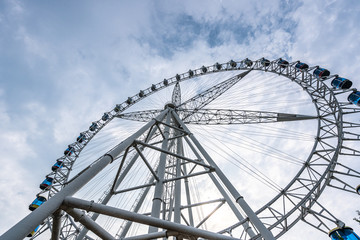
(210, 70)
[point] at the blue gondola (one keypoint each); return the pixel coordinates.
(354, 98)
(265, 62)
(301, 66)
(203, 69)
(33, 232)
(341, 83)
(166, 82)
(191, 73)
(57, 165)
(218, 66)
(37, 203)
(69, 151)
(141, 93)
(117, 108)
(93, 126)
(321, 73)
(105, 117)
(358, 189)
(248, 62)
(46, 183)
(232, 63)
(283, 63)
(129, 100)
(345, 233)
(81, 138)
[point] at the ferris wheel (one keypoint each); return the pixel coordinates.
(235, 150)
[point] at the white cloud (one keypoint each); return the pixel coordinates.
(83, 59)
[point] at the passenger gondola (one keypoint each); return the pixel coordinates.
(354, 98)
(33, 232)
(321, 73)
(248, 62)
(191, 73)
(46, 183)
(218, 66)
(117, 108)
(265, 62)
(69, 151)
(81, 138)
(39, 200)
(344, 233)
(93, 126)
(57, 165)
(341, 83)
(283, 63)
(105, 117)
(301, 66)
(203, 69)
(166, 82)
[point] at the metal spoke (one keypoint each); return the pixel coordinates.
(220, 116)
(226, 116)
(204, 98)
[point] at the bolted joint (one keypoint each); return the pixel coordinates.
(112, 158)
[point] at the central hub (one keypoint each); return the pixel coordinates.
(169, 105)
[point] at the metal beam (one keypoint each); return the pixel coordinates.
(35, 218)
(231, 204)
(146, 163)
(56, 225)
(135, 217)
(89, 224)
(265, 233)
(163, 234)
(159, 189)
(232, 116)
(198, 162)
(117, 181)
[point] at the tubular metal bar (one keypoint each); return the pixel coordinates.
(188, 176)
(159, 189)
(188, 199)
(35, 218)
(117, 182)
(146, 162)
(163, 234)
(137, 207)
(210, 214)
(56, 225)
(134, 188)
(89, 224)
(228, 116)
(175, 155)
(136, 210)
(265, 233)
(235, 210)
(135, 217)
(177, 211)
(193, 205)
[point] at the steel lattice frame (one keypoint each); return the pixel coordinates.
(299, 198)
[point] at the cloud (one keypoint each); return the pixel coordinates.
(64, 64)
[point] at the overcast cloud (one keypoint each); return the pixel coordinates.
(63, 63)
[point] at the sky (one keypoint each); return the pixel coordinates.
(62, 63)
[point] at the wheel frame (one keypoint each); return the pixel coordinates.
(321, 95)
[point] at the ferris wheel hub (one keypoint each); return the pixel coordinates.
(170, 105)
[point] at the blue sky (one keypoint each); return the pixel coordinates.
(63, 63)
